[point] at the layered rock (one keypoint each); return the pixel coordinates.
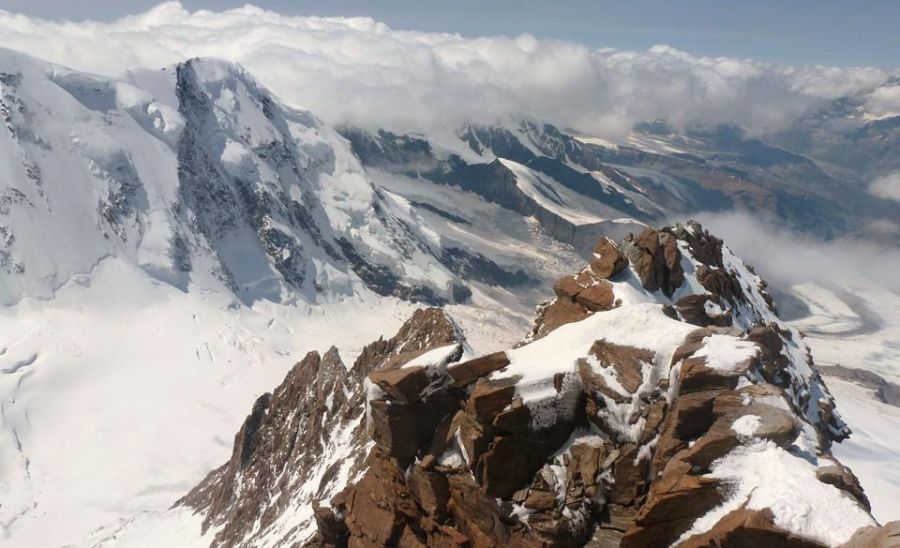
(618, 421)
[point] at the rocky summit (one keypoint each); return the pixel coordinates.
(658, 401)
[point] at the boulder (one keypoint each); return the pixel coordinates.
(511, 461)
(403, 384)
(608, 260)
(489, 397)
(628, 362)
(597, 297)
(630, 474)
(693, 309)
(330, 528)
(720, 283)
(467, 372)
(556, 313)
(656, 259)
(744, 528)
(696, 376)
(844, 479)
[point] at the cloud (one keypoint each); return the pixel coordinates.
(784, 257)
(884, 101)
(887, 187)
(360, 71)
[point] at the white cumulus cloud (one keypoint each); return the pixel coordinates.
(887, 187)
(358, 70)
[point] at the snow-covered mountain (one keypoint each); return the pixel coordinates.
(172, 241)
(658, 401)
(196, 174)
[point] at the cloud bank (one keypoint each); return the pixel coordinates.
(357, 70)
(785, 257)
(886, 187)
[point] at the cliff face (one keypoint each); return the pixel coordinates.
(304, 442)
(658, 401)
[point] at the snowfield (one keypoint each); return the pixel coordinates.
(121, 393)
(857, 327)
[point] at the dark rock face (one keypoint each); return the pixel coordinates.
(312, 425)
(608, 260)
(287, 428)
(657, 260)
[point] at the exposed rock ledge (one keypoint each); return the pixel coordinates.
(658, 401)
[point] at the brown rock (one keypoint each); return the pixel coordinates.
(379, 505)
(611, 526)
(586, 461)
(470, 371)
(656, 413)
(514, 420)
(844, 479)
(403, 430)
(475, 438)
(595, 384)
(720, 283)
(404, 384)
(705, 248)
(628, 362)
(772, 359)
(331, 529)
(630, 476)
(689, 417)
(539, 499)
(692, 309)
(489, 397)
(597, 297)
(696, 376)
(510, 463)
(557, 313)
(656, 260)
(568, 287)
(886, 536)
(476, 514)
(675, 501)
(430, 489)
(744, 528)
(608, 259)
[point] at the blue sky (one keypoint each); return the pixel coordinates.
(791, 32)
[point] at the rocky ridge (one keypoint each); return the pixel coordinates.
(658, 401)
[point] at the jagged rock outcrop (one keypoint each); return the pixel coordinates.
(628, 424)
(305, 441)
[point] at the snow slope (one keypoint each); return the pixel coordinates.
(856, 326)
(192, 172)
(122, 392)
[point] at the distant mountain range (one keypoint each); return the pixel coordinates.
(253, 229)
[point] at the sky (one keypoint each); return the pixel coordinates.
(828, 32)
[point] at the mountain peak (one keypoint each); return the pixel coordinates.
(645, 416)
